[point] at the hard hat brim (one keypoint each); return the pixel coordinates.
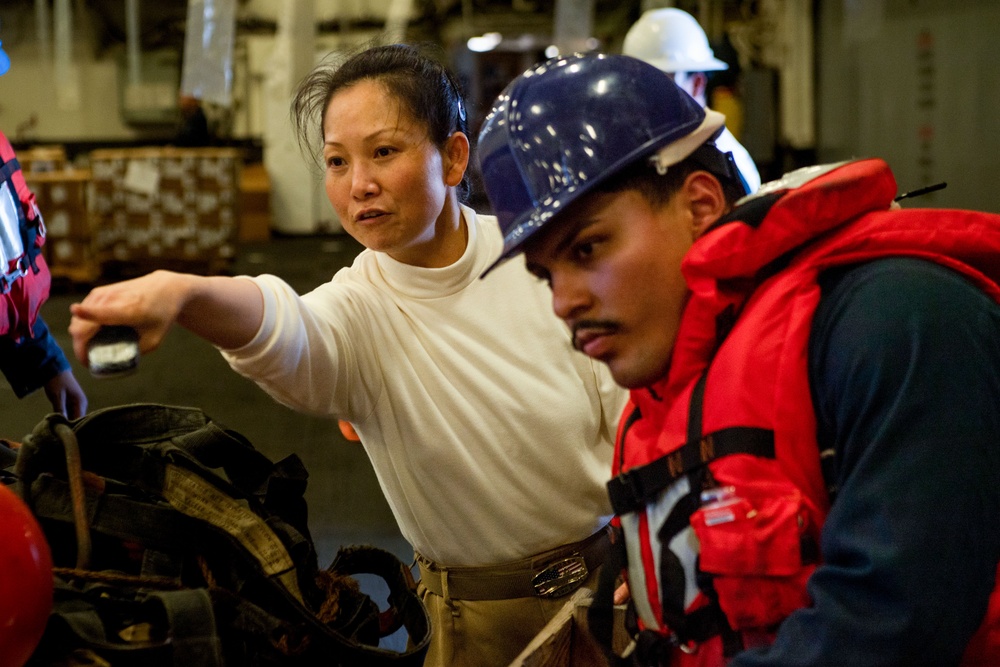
(676, 151)
(672, 66)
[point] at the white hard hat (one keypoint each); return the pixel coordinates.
(672, 40)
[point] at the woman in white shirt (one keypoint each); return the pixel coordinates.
(490, 436)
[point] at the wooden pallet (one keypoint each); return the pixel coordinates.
(73, 278)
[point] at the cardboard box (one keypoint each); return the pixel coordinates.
(41, 159)
(62, 197)
(254, 222)
(166, 203)
(65, 253)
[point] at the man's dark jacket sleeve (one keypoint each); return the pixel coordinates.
(31, 362)
(904, 364)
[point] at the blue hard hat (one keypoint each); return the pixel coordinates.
(4, 61)
(566, 125)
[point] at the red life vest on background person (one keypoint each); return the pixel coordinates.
(737, 398)
(24, 275)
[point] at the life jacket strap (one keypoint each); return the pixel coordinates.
(635, 488)
(8, 168)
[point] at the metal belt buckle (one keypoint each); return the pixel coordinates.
(561, 577)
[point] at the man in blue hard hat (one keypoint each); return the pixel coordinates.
(808, 472)
(30, 358)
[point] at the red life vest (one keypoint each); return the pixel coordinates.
(737, 398)
(24, 276)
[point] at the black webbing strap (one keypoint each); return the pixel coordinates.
(190, 430)
(81, 615)
(156, 526)
(8, 456)
(635, 488)
(406, 609)
(653, 648)
(191, 619)
(600, 615)
(710, 620)
(633, 417)
(8, 168)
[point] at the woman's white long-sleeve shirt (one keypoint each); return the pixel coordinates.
(490, 436)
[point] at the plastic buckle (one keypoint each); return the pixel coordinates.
(23, 265)
(7, 281)
(688, 647)
(561, 577)
(632, 486)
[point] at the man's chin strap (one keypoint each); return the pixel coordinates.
(722, 165)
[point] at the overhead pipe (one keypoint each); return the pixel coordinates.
(397, 18)
(133, 42)
(64, 74)
(43, 28)
(574, 26)
(208, 51)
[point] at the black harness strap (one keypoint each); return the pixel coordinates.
(685, 627)
(8, 168)
(600, 616)
(405, 608)
(634, 489)
(130, 453)
(633, 417)
(95, 613)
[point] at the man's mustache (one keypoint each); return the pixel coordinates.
(587, 329)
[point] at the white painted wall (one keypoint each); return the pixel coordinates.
(30, 91)
(34, 109)
(33, 106)
(918, 85)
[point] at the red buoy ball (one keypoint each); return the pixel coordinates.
(25, 580)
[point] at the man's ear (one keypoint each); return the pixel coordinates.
(699, 87)
(456, 154)
(706, 200)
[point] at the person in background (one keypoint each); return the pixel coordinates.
(809, 471)
(193, 130)
(492, 446)
(671, 39)
(30, 358)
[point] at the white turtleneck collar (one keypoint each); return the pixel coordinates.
(425, 283)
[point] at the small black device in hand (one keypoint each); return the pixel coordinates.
(113, 351)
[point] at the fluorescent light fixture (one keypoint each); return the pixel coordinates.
(485, 42)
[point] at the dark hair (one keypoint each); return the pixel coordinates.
(421, 83)
(642, 176)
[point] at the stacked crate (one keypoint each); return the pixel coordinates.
(165, 207)
(61, 195)
(255, 203)
(40, 159)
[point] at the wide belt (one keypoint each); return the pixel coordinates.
(550, 574)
